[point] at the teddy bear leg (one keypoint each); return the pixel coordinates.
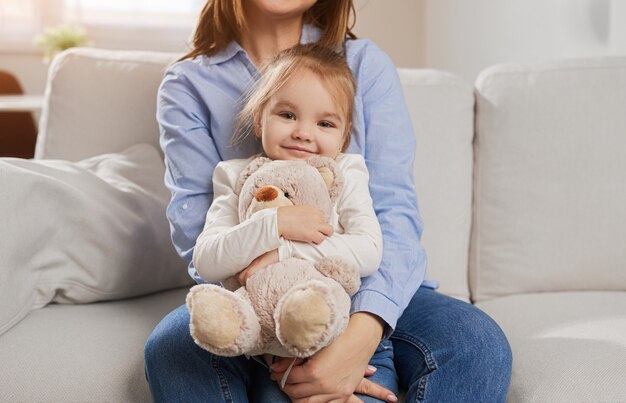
(310, 316)
(340, 270)
(221, 321)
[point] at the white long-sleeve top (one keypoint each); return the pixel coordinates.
(226, 246)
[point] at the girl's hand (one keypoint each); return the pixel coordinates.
(260, 262)
(336, 372)
(303, 223)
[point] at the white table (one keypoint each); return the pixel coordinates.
(21, 103)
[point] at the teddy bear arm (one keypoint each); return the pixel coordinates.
(231, 283)
(342, 271)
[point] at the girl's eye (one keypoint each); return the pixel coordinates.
(326, 123)
(287, 115)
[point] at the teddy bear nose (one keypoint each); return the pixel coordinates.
(266, 194)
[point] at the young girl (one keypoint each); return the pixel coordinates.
(442, 349)
(302, 106)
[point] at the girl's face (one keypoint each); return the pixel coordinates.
(278, 8)
(302, 119)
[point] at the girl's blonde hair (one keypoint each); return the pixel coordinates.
(222, 21)
(328, 65)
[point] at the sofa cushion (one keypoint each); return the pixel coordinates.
(567, 346)
(100, 101)
(82, 353)
(550, 185)
(81, 232)
(441, 106)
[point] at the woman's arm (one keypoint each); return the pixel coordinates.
(389, 154)
(361, 240)
(190, 157)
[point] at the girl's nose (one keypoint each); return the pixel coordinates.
(302, 133)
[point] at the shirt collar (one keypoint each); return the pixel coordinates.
(309, 34)
(226, 54)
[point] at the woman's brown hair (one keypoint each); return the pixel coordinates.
(222, 21)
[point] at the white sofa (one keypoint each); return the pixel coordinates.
(522, 187)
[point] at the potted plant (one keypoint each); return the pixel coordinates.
(57, 39)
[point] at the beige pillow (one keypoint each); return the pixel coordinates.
(550, 183)
(81, 232)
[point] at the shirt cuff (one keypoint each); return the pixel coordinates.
(285, 246)
(379, 305)
(285, 249)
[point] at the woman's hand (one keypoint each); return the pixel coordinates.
(335, 373)
(303, 223)
(260, 262)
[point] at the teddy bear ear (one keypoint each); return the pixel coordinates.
(329, 170)
(252, 167)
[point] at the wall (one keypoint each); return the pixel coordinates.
(466, 36)
(395, 26)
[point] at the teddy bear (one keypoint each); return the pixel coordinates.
(292, 308)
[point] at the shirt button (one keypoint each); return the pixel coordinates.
(185, 206)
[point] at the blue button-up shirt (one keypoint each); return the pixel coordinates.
(198, 101)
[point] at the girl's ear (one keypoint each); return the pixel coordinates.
(258, 127)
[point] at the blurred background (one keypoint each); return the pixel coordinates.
(461, 36)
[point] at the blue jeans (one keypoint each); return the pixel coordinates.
(443, 350)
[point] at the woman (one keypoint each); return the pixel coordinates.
(442, 349)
